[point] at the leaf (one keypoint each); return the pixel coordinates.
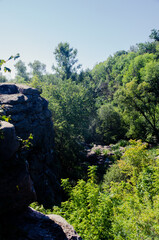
(7, 69)
(2, 62)
(17, 56)
(10, 58)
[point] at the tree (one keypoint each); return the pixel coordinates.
(37, 68)
(66, 58)
(154, 35)
(109, 124)
(71, 105)
(141, 103)
(21, 75)
(147, 47)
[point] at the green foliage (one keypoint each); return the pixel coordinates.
(148, 47)
(126, 207)
(105, 152)
(2, 62)
(21, 72)
(122, 95)
(134, 220)
(114, 174)
(38, 69)
(117, 99)
(27, 144)
(109, 124)
(123, 143)
(72, 109)
(3, 118)
(66, 60)
(40, 208)
(154, 34)
(97, 151)
(114, 146)
(134, 159)
(139, 100)
(88, 209)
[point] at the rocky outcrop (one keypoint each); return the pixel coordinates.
(32, 225)
(66, 227)
(30, 115)
(18, 167)
(16, 187)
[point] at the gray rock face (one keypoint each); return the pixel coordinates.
(17, 221)
(16, 187)
(29, 114)
(8, 141)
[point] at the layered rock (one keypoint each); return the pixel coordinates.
(29, 114)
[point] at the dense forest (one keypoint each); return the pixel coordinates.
(116, 101)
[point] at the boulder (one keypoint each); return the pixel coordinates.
(67, 228)
(32, 225)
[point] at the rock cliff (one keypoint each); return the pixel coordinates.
(16, 186)
(30, 115)
(28, 175)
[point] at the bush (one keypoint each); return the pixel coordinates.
(87, 209)
(127, 205)
(114, 174)
(109, 125)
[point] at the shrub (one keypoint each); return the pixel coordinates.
(114, 174)
(88, 210)
(97, 151)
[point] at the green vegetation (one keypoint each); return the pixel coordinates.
(125, 207)
(66, 61)
(3, 62)
(117, 99)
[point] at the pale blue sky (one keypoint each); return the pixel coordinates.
(97, 28)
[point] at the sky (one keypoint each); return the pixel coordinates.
(96, 28)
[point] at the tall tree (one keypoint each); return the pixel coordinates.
(21, 72)
(37, 68)
(154, 35)
(66, 58)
